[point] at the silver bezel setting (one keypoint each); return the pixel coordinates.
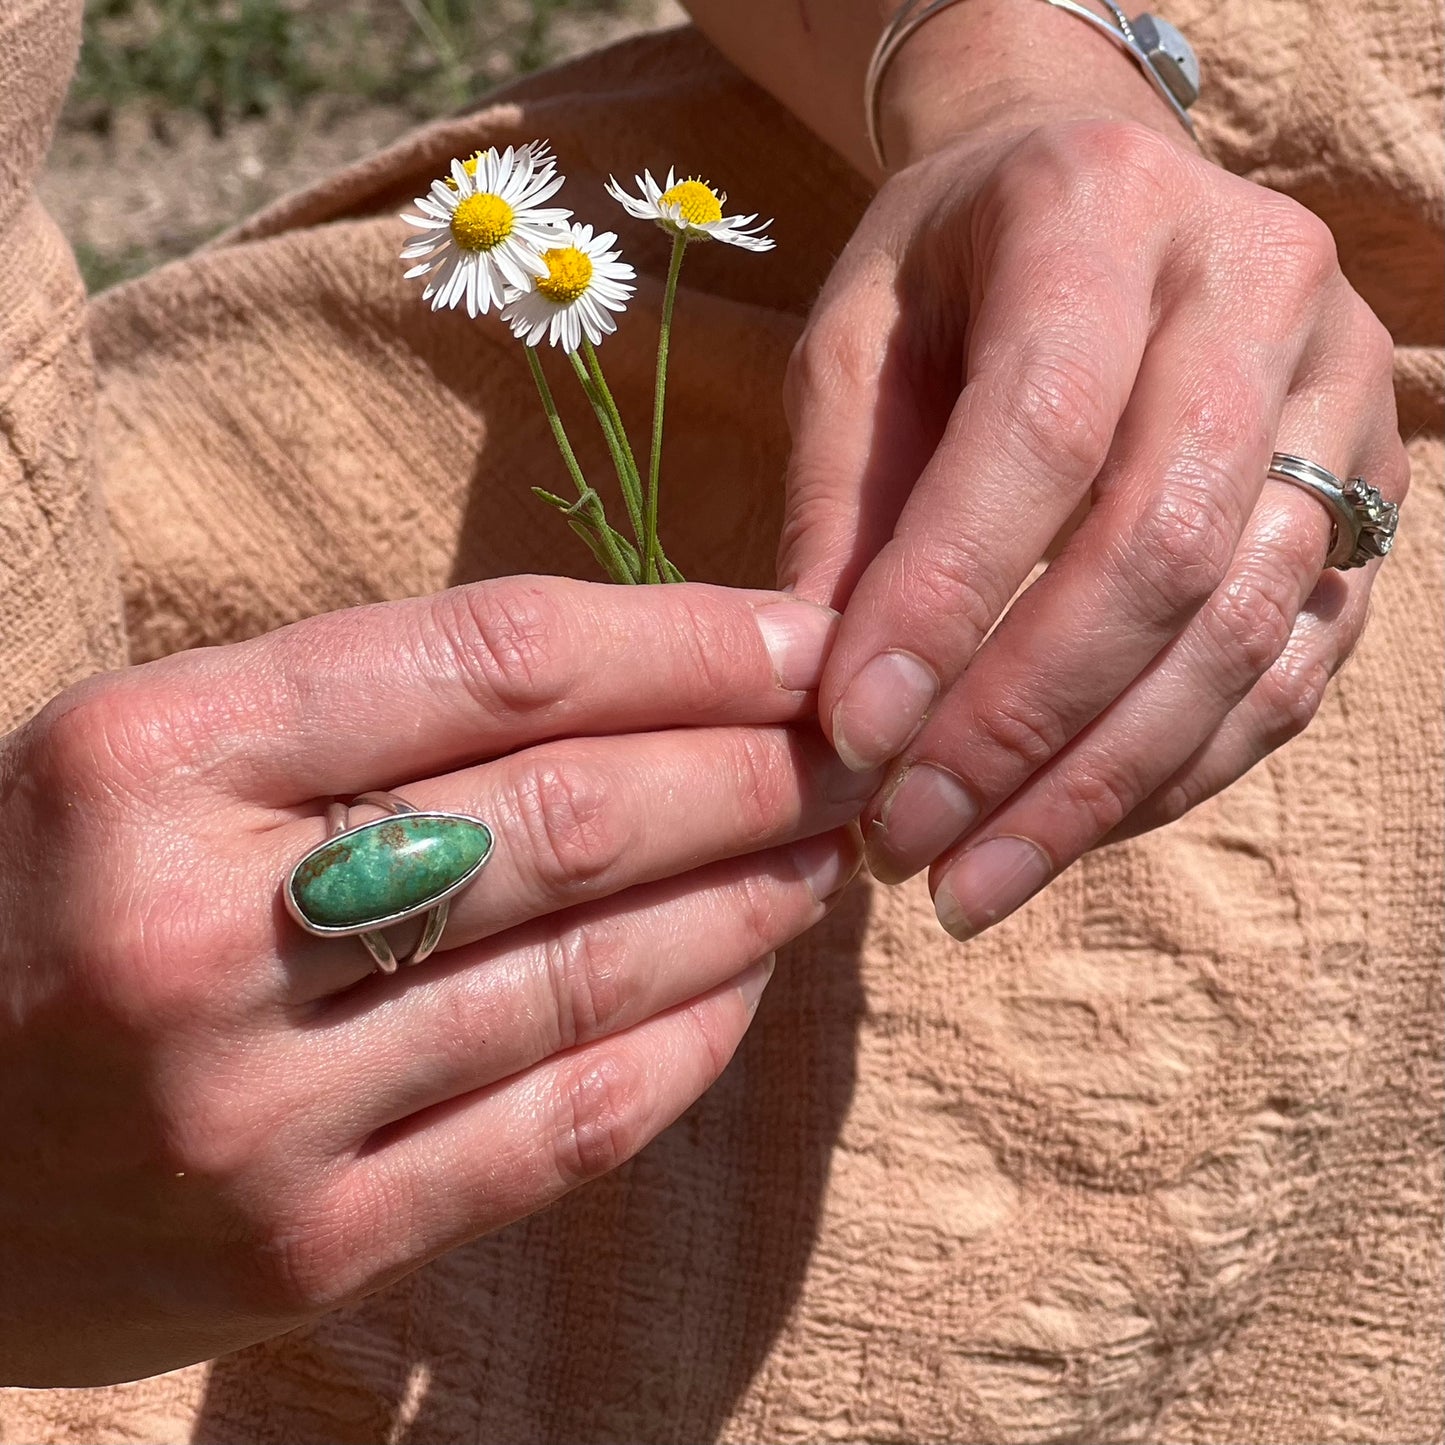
(376, 925)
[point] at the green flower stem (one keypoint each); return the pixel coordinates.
(594, 366)
(650, 562)
(594, 544)
(616, 438)
(617, 569)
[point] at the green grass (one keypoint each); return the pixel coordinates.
(284, 78)
(221, 60)
(230, 59)
(102, 269)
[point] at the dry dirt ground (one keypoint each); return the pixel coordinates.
(146, 164)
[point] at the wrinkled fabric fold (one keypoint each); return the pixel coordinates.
(1159, 1159)
(59, 601)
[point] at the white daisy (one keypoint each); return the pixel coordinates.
(486, 228)
(690, 208)
(583, 283)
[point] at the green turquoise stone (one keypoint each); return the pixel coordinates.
(391, 867)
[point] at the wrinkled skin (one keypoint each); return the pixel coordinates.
(213, 1125)
(1077, 335)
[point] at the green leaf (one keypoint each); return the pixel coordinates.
(577, 507)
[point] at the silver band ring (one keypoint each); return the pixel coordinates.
(1364, 522)
(367, 877)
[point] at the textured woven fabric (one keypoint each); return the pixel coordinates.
(1159, 1159)
(59, 606)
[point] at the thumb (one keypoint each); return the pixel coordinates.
(865, 404)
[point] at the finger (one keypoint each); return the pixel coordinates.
(1088, 789)
(1188, 465)
(1351, 381)
(1058, 337)
(483, 1160)
(1152, 731)
(1279, 706)
(584, 819)
(868, 388)
(493, 1010)
(375, 696)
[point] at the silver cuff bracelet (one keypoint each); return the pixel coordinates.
(1160, 51)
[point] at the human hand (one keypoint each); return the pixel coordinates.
(1029, 322)
(213, 1125)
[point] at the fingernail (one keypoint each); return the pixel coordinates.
(752, 983)
(797, 636)
(828, 865)
(988, 882)
(927, 811)
(882, 709)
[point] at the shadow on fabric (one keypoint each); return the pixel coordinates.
(684, 1265)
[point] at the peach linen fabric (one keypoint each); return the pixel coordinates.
(1157, 1160)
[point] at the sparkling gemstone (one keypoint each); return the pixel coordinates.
(388, 869)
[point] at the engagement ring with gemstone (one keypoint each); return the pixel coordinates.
(366, 878)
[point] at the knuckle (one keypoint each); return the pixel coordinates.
(716, 1038)
(1119, 144)
(1251, 620)
(948, 579)
(585, 977)
(1103, 794)
(758, 900)
(1303, 250)
(1292, 697)
(155, 966)
(575, 842)
(1182, 545)
(758, 767)
(1055, 410)
(800, 377)
(1377, 347)
(215, 1130)
(812, 506)
(1025, 737)
(597, 1121)
(307, 1261)
(1176, 800)
(139, 950)
(508, 642)
(1224, 416)
(93, 743)
(1092, 158)
(832, 359)
(706, 643)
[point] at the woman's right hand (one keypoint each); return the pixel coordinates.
(213, 1125)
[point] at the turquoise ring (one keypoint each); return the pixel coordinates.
(366, 878)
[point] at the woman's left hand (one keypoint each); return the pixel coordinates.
(1076, 318)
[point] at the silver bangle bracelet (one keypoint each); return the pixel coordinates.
(1156, 47)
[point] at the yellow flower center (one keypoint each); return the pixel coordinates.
(696, 201)
(482, 221)
(569, 273)
(469, 166)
